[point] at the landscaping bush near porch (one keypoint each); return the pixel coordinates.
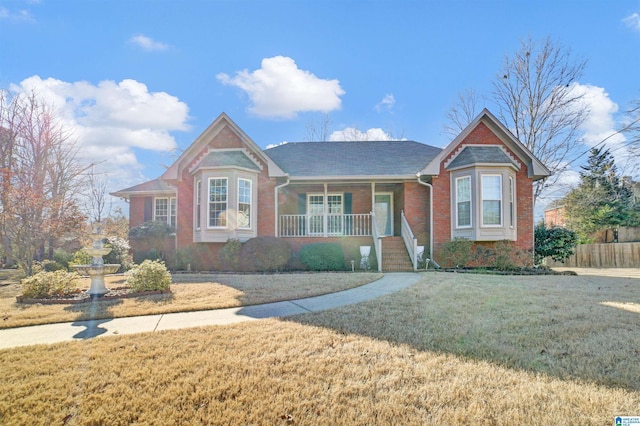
(322, 257)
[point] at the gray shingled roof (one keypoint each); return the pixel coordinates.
(366, 158)
(480, 155)
(155, 185)
(228, 158)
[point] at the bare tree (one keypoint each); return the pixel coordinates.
(97, 204)
(632, 128)
(320, 131)
(535, 96)
(39, 179)
(462, 112)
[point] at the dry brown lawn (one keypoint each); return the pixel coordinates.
(453, 349)
(189, 292)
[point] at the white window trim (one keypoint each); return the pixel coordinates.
(482, 200)
(226, 210)
(325, 212)
(512, 202)
(250, 226)
(170, 201)
(197, 220)
(470, 225)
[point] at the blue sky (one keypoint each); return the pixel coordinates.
(138, 80)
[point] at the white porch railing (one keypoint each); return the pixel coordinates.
(410, 241)
(377, 241)
(319, 225)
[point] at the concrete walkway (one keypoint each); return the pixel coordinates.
(54, 333)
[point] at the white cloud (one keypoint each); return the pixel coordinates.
(386, 104)
(279, 89)
(16, 16)
(600, 122)
(273, 145)
(147, 43)
(111, 120)
(633, 21)
(353, 134)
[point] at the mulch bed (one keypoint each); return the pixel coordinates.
(84, 297)
(533, 271)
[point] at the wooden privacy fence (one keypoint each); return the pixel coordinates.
(612, 255)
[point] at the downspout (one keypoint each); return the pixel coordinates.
(428, 185)
(275, 197)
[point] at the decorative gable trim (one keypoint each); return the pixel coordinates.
(514, 162)
(535, 168)
(174, 172)
(199, 164)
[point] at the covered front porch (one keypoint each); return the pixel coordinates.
(310, 210)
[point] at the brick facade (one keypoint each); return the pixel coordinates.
(443, 216)
(409, 196)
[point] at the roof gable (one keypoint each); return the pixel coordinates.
(308, 160)
(152, 187)
(536, 169)
(201, 143)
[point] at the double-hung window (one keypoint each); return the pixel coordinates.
(244, 203)
(492, 200)
(218, 196)
(164, 210)
(463, 202)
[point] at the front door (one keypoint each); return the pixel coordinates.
(383, 208)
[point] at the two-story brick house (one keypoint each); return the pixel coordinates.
(376, 193)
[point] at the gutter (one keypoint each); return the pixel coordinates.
(275, 201)
(428, 185)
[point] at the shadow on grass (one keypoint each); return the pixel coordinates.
(550, 325)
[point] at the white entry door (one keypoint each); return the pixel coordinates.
(383, 208)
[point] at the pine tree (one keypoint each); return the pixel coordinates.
(602, 200)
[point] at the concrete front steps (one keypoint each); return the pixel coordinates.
(395, 257)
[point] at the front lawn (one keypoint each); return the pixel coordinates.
(189, 292)
(453, 349)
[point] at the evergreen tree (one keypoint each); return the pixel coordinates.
(603, 199)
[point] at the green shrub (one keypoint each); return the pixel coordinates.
(323, 257)
(81, 257)
(182, 259)
(148, 276)
(230, 255)
(556, 243)
(50, 284)
(62, 257)
(510, 258)
(456, 253)
(52, 266)
(264, 254)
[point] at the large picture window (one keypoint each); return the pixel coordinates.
(218, 195)
(244, 203)
(491, 200)
(463, 202)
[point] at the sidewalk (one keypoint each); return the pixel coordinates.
(54, 333)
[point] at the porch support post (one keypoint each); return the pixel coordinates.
(325, 209)
(275, 197)
(373, 196)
